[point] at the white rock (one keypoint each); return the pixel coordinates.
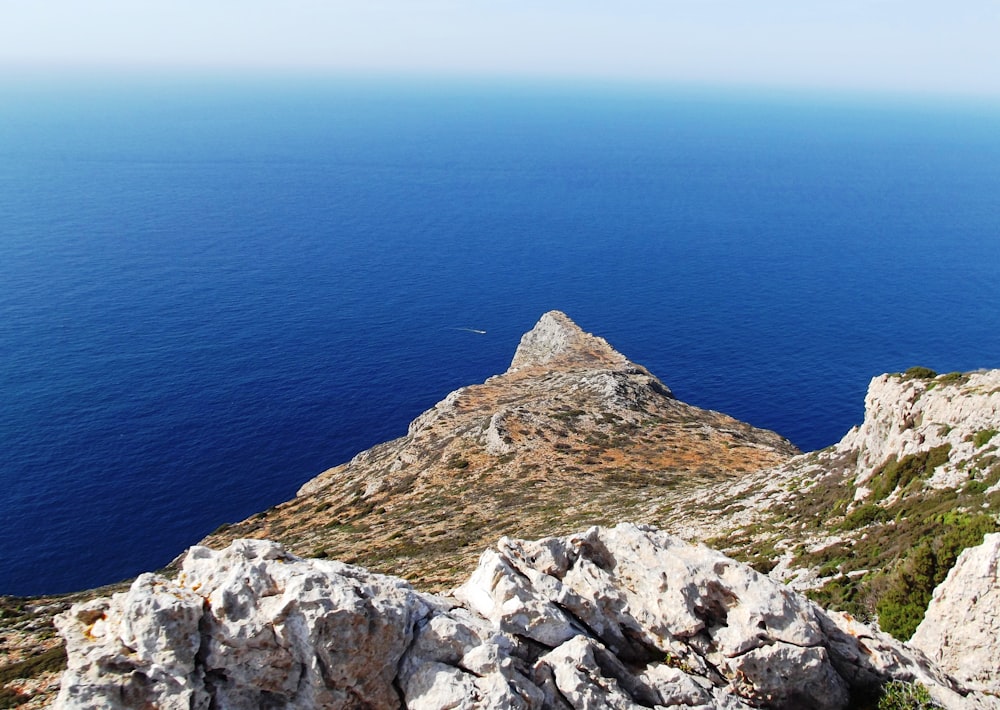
(554, 336)
(625, 617)
(907, 416)
(961, 629)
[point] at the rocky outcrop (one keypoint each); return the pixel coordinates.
(961, 630)
(618, 617)
(908, 414)
(557, 341)
(921, 472)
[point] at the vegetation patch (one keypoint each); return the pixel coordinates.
(910, 585)
(898, 695)
(845, 594)
(54, 660)
(918, 373)
(982, 438)
(10, 698)
(863, 516)
(953, 378)
(900, 473)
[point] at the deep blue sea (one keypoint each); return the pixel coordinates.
(210, 291)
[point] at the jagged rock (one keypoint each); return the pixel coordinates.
(269, 629)
(152, 631)
(961, 629)
(620, 617)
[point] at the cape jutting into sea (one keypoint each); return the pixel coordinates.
(213, 290)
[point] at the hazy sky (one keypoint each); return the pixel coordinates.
(899, 45)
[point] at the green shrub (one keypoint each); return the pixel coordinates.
(902, 607)
(953, 378)
(919, 373)
(982, 438)
(864, 515)
(844, 594)
(53, 659)
(901, 473)
(910, 585)
(975, 487)
(897, 695)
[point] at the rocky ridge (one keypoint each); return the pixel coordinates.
(621, 617)
(572, 434)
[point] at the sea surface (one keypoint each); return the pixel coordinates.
(212, 290)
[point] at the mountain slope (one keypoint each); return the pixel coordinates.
(572, 434)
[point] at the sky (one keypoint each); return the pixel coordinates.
(908, 46)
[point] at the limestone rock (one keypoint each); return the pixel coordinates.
(149, 636)
(908, 415)
(557, 338)
(250, 626)
(623, 617)
(649, 599)
(961, 629)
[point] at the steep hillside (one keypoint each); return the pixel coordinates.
(874, 523)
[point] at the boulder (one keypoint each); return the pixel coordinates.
(961, 629)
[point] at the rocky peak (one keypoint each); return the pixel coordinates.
(573, 434)
(557, 342)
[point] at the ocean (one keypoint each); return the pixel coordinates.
(212, 290)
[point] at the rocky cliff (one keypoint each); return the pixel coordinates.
(874, 523)
(625, 617)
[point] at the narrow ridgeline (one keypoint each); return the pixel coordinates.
(572, 434)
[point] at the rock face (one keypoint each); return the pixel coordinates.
(620, 617)
(905, 415)
(961, 630)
